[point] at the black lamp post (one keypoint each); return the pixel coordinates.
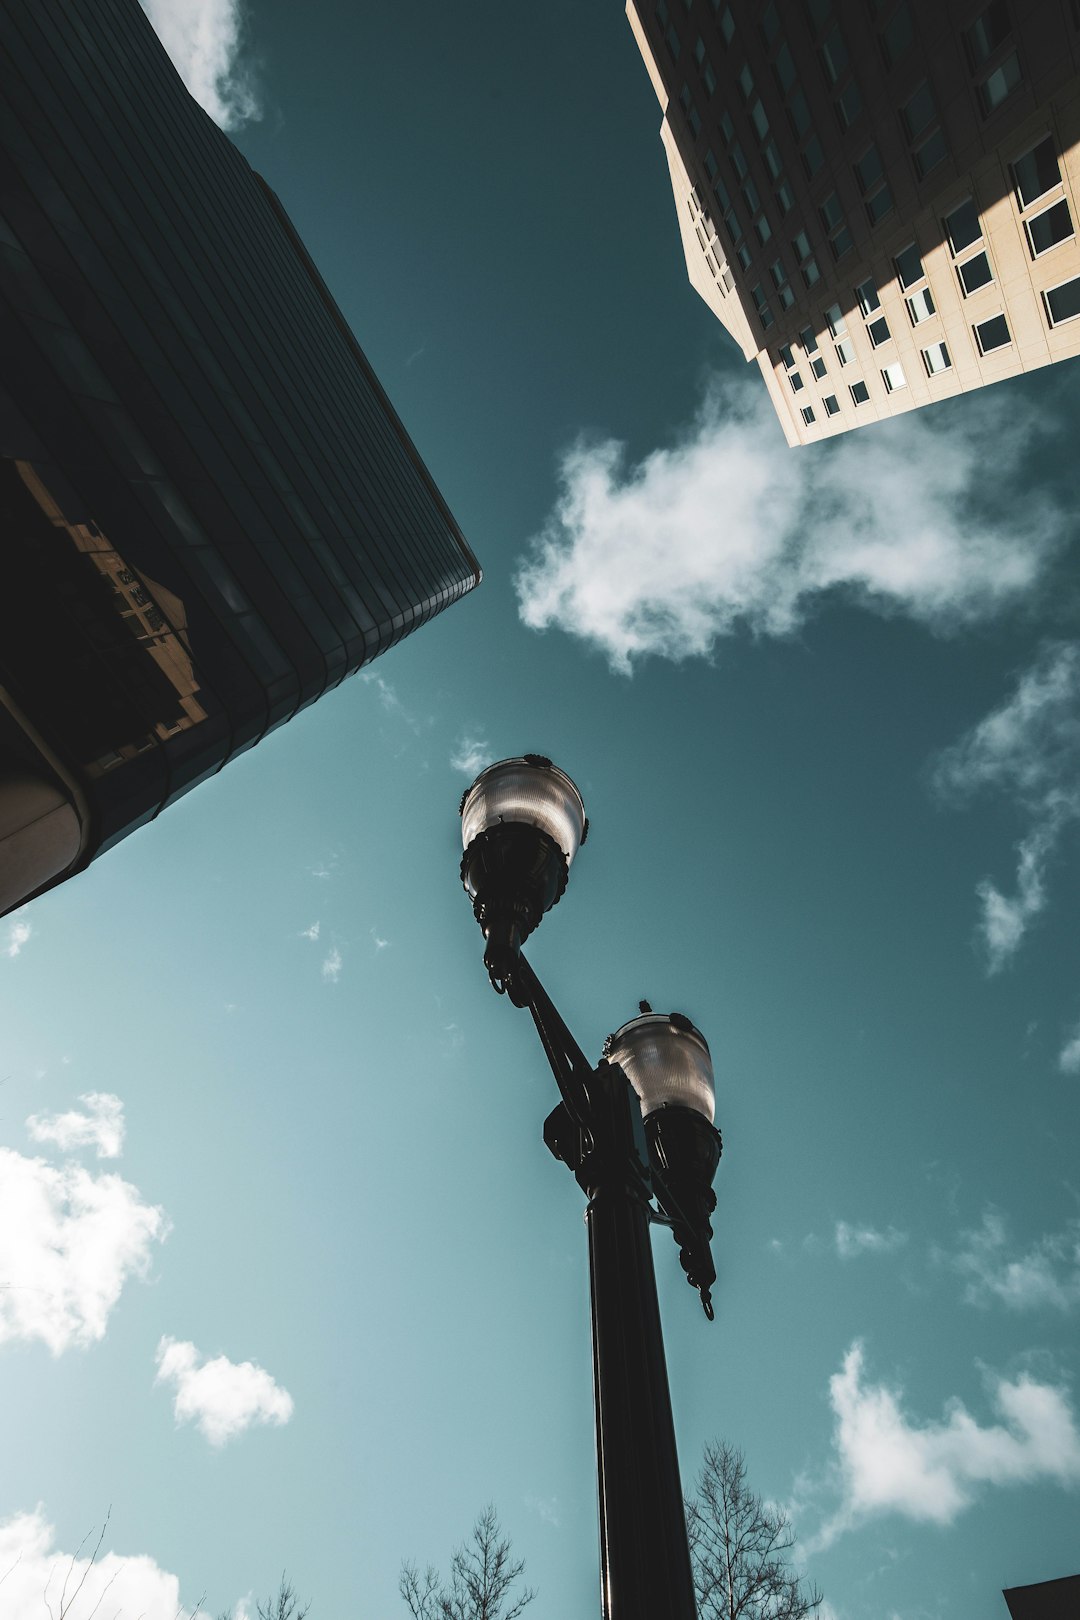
(635, 1128)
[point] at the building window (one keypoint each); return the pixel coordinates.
(832, 407)
(672, 39)
(859, 393)
(785, 201)
(1063, 303)
(936, 359)
(848, 104)
(963, 226)
(762, 229)
(808, 414)
(834, 320)
(808, 266)
(813, 156)
(780, 282)
(799, 114)
(759, 120)
(918, 112)
(893, 377)
(770, 23)
(744, 255)
(920, 306)
(992, 334)
(909, 266)
(834, 56)
(808, 340)
(836, 227)
(845, 351)
(1046, 230)
(725, 21)
(867, 294)
(818, 367)
(796, 381)
(870, 173)
(975, 273)
(738, 162)
(897, 35)
(878, 331)
(711, 168)
(693, 118)
(784, 69)
(1004, 79)
(787, 356)
(987, 32)
(922, 127)
(933, 151)
(746, 81)
(1036, 172)
(761, 304)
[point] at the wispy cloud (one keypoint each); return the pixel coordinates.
(1046, 1274)
(545, 1508)
(204, 38)
(221, 1397)
(1029, 751)
(69, 1241)
(471, 754)
(98, 1124)
(33, 1567)
(730, 530)
(19, 931)
(930, 1472)
(390, 702)
(855, 1240)
(310, 933)
(332, 965)
(380, 943)
(1069, 1056)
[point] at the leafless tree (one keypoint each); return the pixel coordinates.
(281, 1605)
(739, 1547)
(482, 1573)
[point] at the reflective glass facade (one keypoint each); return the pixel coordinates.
(209, 510)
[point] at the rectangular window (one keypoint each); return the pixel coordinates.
(1001, 83)
(920, 306)
(820, 12)
(751, 198)
(867, 294)
(992, 334)
(813, 156)
(770, 23)
(796, 381)
(761, 304)
(936, 359)
(934, 150)
(1063, 303)
(746, 81)
(672, 42)
(1036, 172)
(727, 128)
(834, 320)
(848, 104)
(710, 165)
(975, 273)
(918, 112)
(784, 69)
(784, 197)
(879, 331)
(987, 32)
(726, 22)
(808, 340)
(799, 113)
(808, 414)
(859, 393)
(1047, 229)
(817, 366)
(909, 265)
(787, 356)
(831, 406)
(845, 351)
(762, 229)
(759, 120)
(831, 212)
(744, 255)
(897, 35)
(773, 160)
(708, 78)
(893, 377)
(879, 204)
(963, 226)
(834, 56)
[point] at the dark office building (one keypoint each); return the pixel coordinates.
(209, 511)
(1046, 1600)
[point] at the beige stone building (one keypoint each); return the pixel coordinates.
(876, 198)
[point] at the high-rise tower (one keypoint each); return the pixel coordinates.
(877, 198)
(210, 513)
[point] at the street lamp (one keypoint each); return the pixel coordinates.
(637, 1127)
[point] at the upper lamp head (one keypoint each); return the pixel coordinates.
(522, 823)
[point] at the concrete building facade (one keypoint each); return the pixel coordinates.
(210, 512)
(876, 198)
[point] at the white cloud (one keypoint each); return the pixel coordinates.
(204, 40)
(221, 1397)
(380, 943)
(311, 933)
(856, 1240)
(1069, 1056)
(19, 931)
(730, 530)
(390, 701)
(546, 1508)
(100, 1125)
(332, 965)
(471, 754)
(34, 1571)
(1029, 750)
(930, 1472)
(68, 1243)
(1046, 1274)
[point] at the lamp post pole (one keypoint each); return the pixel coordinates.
(638, 1126)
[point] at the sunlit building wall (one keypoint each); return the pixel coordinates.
(876, 198)
(210, 513)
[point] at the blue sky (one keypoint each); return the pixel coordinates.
(287, 1277)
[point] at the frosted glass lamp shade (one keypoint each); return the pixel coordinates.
(531, 792)
(667, 1062)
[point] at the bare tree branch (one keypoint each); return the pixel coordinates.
(482, 1574)
(739, 1547)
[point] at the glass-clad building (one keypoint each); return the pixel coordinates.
(209, 511)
